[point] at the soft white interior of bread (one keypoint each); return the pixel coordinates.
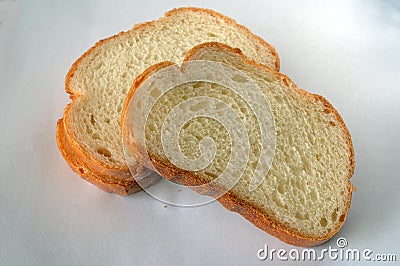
(105, 75)
(307, 187)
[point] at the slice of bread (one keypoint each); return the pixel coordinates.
(305, 197)
(100, 79)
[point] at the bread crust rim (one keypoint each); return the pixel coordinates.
(79, 167)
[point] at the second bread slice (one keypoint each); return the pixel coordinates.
(305, 196)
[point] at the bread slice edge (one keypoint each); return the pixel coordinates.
(103, 182)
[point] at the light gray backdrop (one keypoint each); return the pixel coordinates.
(346, 51)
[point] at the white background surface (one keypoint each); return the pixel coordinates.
(346, 51)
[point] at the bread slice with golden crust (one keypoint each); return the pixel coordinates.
(99, 80)
(305, 197)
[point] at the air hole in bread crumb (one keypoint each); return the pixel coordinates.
(98, 65)
(107, 120)
(81, 170)
(92, 120)
(268, 79)
(151, 127)
(299, 215)
(96, 136)
(334, 216)
(281, 188)
(225, 91)
(278, 99)
(332, 123)
(243, 110)
(185, 126)
(210, 34)
(197, 85)
(323, 222)
(342, 217)
(185, 97)
(327, 111)
(103, 151)
(211, 174)
(214, 85)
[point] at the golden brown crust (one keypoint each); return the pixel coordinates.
(82, 169)
(105, 183)
(231, 202)
(115, 173)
